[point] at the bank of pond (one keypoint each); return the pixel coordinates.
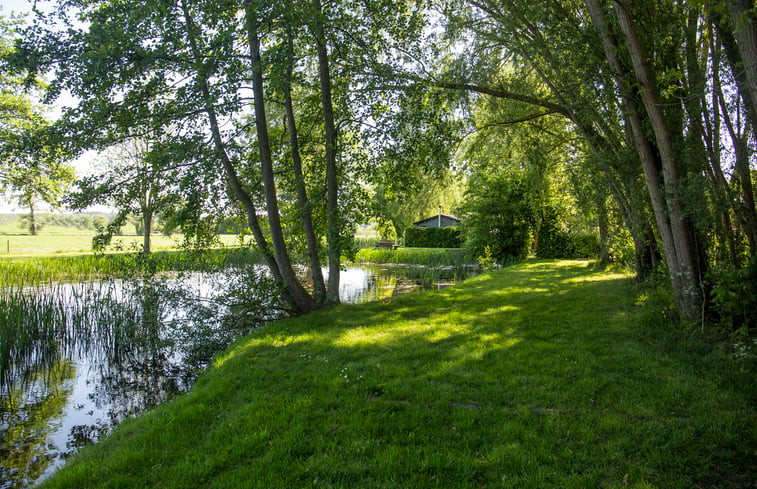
(86, 344)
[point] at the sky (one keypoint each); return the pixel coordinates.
(83, 163)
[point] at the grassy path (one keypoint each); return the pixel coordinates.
(536, 376)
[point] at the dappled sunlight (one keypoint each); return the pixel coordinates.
(463, 324)
(473, 350)
(604, 277)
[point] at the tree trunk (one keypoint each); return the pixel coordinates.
(682, 248)
(229, 170)
(332, 182)
(744, 18)
(147, 219)
(677, 238)
(319, 286)
(302, 300)
(602, 223)
(736, 64)
(32, 219)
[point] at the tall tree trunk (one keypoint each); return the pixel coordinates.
(683, 247)
(229, 170)
(603, 224)
(744, 207)
(736, 64)
(32, 219)
(332, 175)
(319, 286)
(302, 300)
(677, 238)
(744, 18)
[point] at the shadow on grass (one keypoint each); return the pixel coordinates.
(530, 377)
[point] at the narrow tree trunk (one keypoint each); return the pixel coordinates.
(32, 219)
(147, 219)
(229, 170)
(319, 286)
(303, 301)
(332, 182)
(736, 65)
(602, 223)
(683, 248)
(744, 18)
(676, 238)
(744, 207)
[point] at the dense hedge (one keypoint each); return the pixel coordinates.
(430, 237)
(553, 242)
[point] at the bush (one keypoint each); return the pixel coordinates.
(553, 242)
(430, 237)
(498, 216)
(735, 298)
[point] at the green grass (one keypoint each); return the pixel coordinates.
(16, 245)
(543, 375)
(416, 256)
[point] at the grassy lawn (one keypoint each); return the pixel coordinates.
(543, 375)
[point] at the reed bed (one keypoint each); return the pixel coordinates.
(432, 257)
(45, 270)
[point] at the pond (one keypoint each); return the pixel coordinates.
(76, 359)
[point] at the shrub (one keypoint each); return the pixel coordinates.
(498, 216)
(431, 237)
(553, 242)
(735, 298)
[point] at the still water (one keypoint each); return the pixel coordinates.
(79, 358)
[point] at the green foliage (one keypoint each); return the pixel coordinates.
(433, 237)
(555, 242)
(735, 298)
(498, 215)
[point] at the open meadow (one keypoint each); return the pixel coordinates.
(14, 242)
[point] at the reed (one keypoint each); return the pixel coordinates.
(45, 270)
(433, 257)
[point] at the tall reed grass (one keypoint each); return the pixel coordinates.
(433, 257)
(45, 270)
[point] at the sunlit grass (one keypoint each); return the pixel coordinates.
(23, 245)
(541, 375)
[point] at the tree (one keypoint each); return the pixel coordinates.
(141, 68)
(135, 179)
(498, 216)
(33, 169)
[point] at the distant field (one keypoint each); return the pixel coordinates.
(48, 243)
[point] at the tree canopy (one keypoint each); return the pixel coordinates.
(629, 120)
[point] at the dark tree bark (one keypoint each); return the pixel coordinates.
(319, 286)
(229, 170)
(303, 302)
(744, 18)
(333, 235)
(662, 176)
(147, 220)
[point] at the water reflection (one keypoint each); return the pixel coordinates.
(76, 359)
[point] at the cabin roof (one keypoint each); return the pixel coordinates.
(435, 217)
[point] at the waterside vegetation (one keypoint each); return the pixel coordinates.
(455, 257)
(30, 270)
(544, 374)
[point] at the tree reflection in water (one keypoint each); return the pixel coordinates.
(79, 358)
